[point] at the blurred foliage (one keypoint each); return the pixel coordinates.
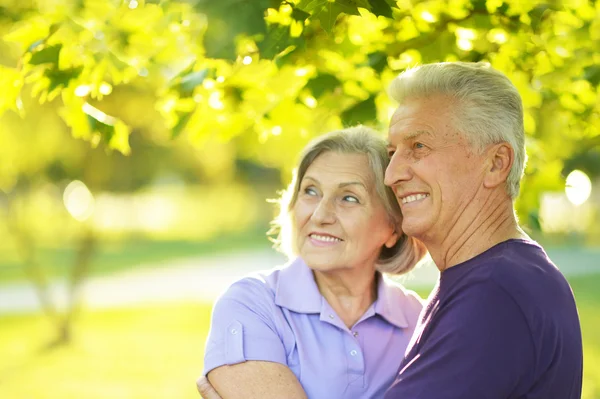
(255, 80)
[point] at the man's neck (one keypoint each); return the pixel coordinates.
(481, 226)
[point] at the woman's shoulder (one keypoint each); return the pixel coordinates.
(403, 296)
(259, 286)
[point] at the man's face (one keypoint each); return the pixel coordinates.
(434, 171)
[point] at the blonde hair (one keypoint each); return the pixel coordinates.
(399, 259)
(489, 108)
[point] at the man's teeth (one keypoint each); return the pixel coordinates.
(324, 238)
(414, 197)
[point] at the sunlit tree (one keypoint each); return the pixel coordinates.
(250, 82)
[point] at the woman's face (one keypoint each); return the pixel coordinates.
(339, 220)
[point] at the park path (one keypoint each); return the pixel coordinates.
(204, 278)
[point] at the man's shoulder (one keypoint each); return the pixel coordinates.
(515, 265)
(520, 273)
(523, 268)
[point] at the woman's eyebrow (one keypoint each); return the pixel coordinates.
(306, 177)
(341, 185)
(350, 183)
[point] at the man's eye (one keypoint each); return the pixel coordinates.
(419, 145)
(391, 153)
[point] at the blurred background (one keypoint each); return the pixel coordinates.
(140, 141)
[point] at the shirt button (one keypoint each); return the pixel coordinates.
(353, 352)
(234, 331)
(331, 316)
(355, 333)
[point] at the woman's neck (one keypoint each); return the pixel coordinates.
(349, 293)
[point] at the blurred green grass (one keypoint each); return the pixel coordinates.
(148, 352)
(156, 352)
(130, 254)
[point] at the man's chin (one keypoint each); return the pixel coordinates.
(414, 228)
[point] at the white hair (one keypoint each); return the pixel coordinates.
(489, 108)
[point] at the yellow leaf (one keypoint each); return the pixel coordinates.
(28, 31)
(120, 139)
(11, 83)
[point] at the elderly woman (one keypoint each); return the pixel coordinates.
(328, 324)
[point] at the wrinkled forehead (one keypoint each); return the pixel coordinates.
(430, 118)
(341, 167)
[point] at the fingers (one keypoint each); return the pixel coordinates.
(205, 389)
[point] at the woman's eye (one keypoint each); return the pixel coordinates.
(310, 191)
(351, 198)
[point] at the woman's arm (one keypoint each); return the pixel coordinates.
(245, 356)
(256, 379)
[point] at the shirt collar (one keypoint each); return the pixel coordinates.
(391, 302)
(297, 291)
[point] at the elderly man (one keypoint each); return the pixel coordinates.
(501, 322)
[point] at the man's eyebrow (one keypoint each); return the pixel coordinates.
(410, 136)
(416, 133)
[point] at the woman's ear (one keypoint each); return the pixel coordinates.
(392, 240)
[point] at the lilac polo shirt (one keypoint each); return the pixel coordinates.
(280, 316)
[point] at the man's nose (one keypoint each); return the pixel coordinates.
(397, 171)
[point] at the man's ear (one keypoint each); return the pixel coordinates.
(500, 158)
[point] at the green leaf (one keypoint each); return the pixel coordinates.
(328, 15)
(592, 74)
(364, 111)
(322, 83)
(299, 15)
(45, 55)
(190, 81)
(229, 18)
(377, 61)
(61, 78)
(181, 124)
(361, 3)
(276, 40)
(350, 7)
(105, 130)
(311, 5)
(381, 8)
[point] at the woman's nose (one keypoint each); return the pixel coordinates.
(324, 213)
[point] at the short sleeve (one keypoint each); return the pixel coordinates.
(243, 327)
(478, 346)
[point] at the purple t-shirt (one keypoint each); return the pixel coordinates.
(280, 316)
(502, 325)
